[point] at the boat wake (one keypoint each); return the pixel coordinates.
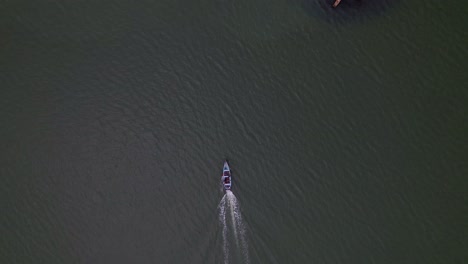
(231, 222)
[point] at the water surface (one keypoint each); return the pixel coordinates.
(346, 130)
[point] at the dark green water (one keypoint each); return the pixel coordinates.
(346, 130)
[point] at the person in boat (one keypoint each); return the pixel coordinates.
(226, 180)
(337, 2)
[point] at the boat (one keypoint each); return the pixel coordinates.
(226, 178)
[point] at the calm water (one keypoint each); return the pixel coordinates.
(346, 131)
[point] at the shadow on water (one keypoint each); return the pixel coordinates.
(348, 11)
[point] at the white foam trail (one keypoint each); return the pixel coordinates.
(238, 225)
(231, 198)
(230, 205)
(222, 219)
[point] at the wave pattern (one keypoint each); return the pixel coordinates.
(231, 221)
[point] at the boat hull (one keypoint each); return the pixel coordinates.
(226, 179)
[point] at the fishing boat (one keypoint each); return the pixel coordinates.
(226, 178)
